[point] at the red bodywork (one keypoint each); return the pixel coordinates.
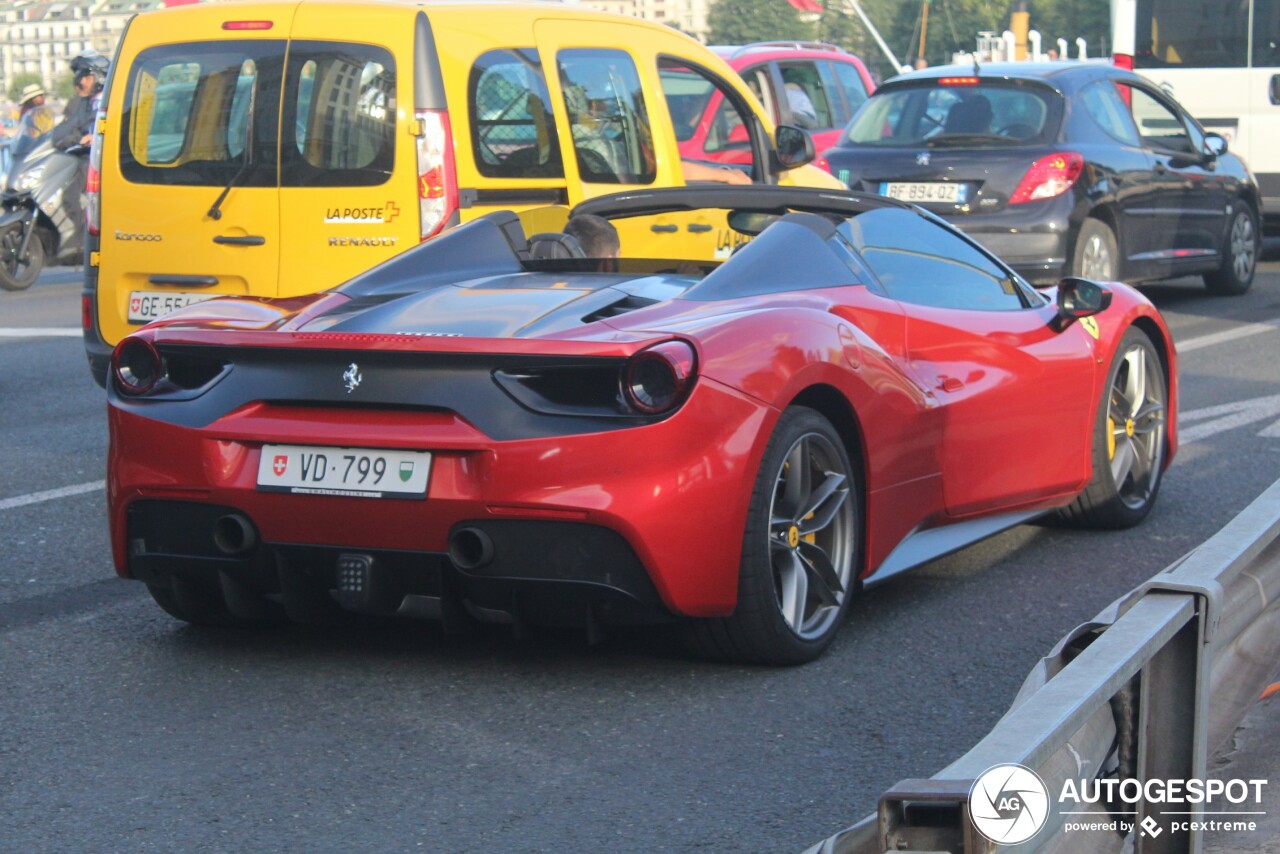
(954, 415)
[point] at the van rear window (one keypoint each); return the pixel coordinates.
(210, 113)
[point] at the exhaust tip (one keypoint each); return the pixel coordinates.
(234, 534)
(470, 548)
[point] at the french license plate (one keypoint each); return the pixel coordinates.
(146, 306)
(350, 472)
(937, 191)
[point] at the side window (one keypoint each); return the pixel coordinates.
(1108, 110)
(1160, 127)
(805, 95)
(607, 116)
(919, 262)
(513, 132)
(710, 123)
(850, 81)
(1197, 35)
(1266, 33)
(340, 115)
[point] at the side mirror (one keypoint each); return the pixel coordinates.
(1079, 298)
(793, 147)
(1215, 145)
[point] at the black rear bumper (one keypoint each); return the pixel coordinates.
(530, 572)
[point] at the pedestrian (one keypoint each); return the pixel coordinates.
(34, 115)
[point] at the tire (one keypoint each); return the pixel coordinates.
(15, 275)
(1128, 454)
(1097, 255)
(796, 577)
(1239, 256)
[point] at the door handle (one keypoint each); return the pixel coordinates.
(665, 229)
(946, 383)
(698, 227)
(1273, 90)
(178, 281)
(247, 240)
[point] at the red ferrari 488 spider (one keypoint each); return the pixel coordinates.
(478, 429)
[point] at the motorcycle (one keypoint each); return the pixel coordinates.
(35, 222)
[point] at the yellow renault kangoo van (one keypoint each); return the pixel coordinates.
(279, 148)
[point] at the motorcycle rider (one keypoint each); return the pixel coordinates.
(89, 71)
(34, 114)
(76, 129)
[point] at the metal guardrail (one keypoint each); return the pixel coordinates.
(1147, 690)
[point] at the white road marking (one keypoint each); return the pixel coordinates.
(1245, 331)
(50, 494)
(41, 332)
(1228, 416)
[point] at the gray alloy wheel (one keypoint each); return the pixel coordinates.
(810, 535)
(1129, 440)
(800, 549)
(1239, 256)
(1097, 256)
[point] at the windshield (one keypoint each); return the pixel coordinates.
(936, 115)
(33, 128)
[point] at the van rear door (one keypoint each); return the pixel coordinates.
(348, 145)
(190, 205)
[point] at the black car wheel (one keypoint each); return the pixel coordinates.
(1239, 255)
(1128, 440)
(19, 274)
(798, 552)
(1097, 256)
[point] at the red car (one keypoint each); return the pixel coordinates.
(811, 85)
(490, 427)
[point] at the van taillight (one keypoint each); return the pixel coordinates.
(93, 182)
(1123, 60)
(1048, 177)
(437, 177)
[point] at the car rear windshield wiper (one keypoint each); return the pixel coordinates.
(246, 159)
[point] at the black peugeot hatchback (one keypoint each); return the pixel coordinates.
(1060, 168)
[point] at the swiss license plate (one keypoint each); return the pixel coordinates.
(146, 306)
(351, 472)
(937, 191)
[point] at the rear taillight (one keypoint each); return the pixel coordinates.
(659, 378)
(437, 177)
(1048, 177)
(247, 25)
(958, 81)
(137, 366)
(93, 182)
(1123, 60)
(86, 312)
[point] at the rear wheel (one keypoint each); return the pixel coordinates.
(799, 550)
(1239, 255)
(1129, 440)
(1097, 255)
(19, 274)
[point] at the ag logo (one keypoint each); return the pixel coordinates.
(1008, 804)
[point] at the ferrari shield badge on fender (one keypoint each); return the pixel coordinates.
(1090, 325)
(352, 377)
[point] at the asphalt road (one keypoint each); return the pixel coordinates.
(123, 730)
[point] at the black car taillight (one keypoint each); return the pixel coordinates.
(1049, 176)
(137, 366)
(659, 378)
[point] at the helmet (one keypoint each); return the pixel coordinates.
(90, 63)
